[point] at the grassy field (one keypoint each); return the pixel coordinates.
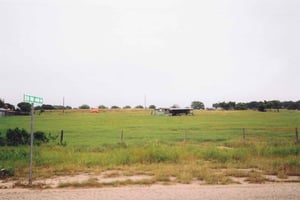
(185, 147)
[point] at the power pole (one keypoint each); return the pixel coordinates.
(145, 102)
(63, 104)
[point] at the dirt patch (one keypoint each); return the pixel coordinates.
(106, 178)
(120, 178)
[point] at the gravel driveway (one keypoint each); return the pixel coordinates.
(157, 192)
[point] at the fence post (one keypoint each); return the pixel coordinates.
(297, 137)
(244, 136)
(61, 137)
(122, 137)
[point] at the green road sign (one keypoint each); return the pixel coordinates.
(33, 99)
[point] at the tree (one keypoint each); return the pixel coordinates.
(127, 107)
(47, 107)
(139, 107)
(152, 107)
(175, 106)
(197, 105)
(115, 107)
(276, 105)
(84, 106)
(1, 103)
(9, 106)
(261, 107)
(241, 106)
(216, 105)
(102, 107)
(24, 106)
(253, 105)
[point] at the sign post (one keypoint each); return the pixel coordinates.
(32, 100)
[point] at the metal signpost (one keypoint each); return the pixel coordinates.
(32, 100)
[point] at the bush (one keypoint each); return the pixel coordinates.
(2, 140)
(15, 137)
(5, 173)
(40, 137)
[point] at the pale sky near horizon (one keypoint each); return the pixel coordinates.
(116, 52)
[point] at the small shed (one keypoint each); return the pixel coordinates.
(3, 112)
(174, 111)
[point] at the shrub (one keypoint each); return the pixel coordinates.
(40, 137)
(15, 137)
(2, 140)
(5, 173)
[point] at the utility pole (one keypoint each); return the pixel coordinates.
(63, 104)
(145, 102)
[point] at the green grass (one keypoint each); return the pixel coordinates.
(213, 141)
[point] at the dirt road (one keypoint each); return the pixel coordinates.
(157, 192)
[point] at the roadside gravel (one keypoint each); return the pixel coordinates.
(160, 192)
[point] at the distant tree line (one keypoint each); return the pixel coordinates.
(258, 105)
(24, 107)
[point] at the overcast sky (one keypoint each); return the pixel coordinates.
(116, 52)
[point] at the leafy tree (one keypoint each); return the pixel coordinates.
(58, 107)
(197, 105)
(127, 107)
(47, 107)
(152, 107)
(84, 106)
(276, 105)
(253, 105)
(241, 106)
(293, 105)
(68, 107)
(1, 103)
(115, 107)
(139, 107)
(261, 107)
(216, 105)
(286, 104)
(102, 107)
(175, 106)
(9, 106)
(24, 106)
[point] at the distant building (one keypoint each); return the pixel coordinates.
(6, 112)
(173, 111)
(3, 112)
